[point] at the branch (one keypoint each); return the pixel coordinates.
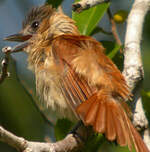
(133, 67)
(11, 139)
(86, 4)
(70, 143)
(4, 63)
(114, 29)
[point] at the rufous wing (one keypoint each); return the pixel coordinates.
(108, 116)
(94, 88)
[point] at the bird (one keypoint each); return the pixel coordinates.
(75, 78)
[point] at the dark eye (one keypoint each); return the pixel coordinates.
(35, 24)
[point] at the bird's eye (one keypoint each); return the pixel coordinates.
(35, 24)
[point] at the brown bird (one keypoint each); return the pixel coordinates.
(75, 78)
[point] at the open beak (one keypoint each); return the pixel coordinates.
(19, 38)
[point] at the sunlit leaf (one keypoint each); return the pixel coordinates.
(88, 19)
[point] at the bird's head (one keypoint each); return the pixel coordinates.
(43, 23)
(32, 23)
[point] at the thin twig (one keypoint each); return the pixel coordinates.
(114, 29)
(4, 64)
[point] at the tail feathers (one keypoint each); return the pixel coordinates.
(109, 117)
(138, 142)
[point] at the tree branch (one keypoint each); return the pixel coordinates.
(86, 4)
(133, 67)
(11, 139)
(70, 143)
(4, 63)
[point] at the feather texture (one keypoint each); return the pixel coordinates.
(92, 78)
(75, 78)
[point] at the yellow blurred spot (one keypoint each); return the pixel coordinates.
(120, 16)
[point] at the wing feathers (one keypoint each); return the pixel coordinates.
(92, 112)
(112, 120)
(119, 126)
(86, 108)
(94, 98)
(100, 122)
(110, 127)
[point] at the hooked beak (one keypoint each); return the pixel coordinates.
(19, 38)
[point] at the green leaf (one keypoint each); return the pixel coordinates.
(118, 148)
(112, 48)
(145, 93)
(62, 127)
(112, 51)
(54, 3)
(93, 143)
(88, 19)
(100, 29)
(146, 102)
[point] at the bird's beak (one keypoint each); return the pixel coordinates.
(19, 38)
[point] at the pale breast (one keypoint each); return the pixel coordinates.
(49, 90)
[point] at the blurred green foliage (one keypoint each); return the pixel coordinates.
(54, 3)
(113, 52)
(146, 102)
(18, 112)
(62, 128)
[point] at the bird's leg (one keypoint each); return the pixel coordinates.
(80, 131)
